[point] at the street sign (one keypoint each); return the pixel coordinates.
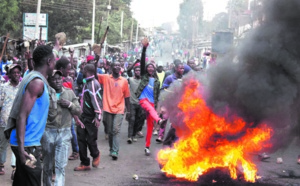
(29, 20)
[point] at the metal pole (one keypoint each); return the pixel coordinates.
(230, 14)
(38, 11)
(104, 48)
(131, 33)
(93, 22)
(137, 33)
(121, 32)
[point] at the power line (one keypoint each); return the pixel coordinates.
(69, 4)
(58, 7)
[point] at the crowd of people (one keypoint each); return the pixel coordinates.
(60, 102)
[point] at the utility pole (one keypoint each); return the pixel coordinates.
(121, 31)
(105, 42)
(230, 14)
(131, 33)
(37, 23)
(93, 22)
(137, 33)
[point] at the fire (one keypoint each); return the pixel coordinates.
(211, 141)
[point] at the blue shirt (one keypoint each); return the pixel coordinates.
(148, 92)
(168, 81)
(2, 67)
(36, 121)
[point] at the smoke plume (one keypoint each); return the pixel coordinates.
(260, 80)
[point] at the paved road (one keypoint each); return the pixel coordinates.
(133, 161)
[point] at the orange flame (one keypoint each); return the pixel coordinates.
(205, 145)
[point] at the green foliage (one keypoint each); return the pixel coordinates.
(190, 16)
(220, 22)
(8, 15)
(74, 17)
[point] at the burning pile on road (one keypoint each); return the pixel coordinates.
(211, 141)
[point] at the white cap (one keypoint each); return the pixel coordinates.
(159, 63)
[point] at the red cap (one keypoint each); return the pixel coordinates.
(89, 58)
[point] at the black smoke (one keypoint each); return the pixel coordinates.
(260, 79)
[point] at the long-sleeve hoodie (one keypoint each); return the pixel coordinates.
(91, 101)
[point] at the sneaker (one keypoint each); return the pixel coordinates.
(82, 168)
(53, 177)
(74, 156)
(114, 155)
(159, 140)
(13, 174)
(96, 161)
(155, 133)
(161, 121)
(147, 151)
(134, 139)
(2, 172)
(140, 134)
(129, 141)
(263, 156)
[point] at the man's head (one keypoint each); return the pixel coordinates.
(179, 69)
(130, 63)
(90, 59)
(14, 72)
(150, 68)
(55, 80)
(122, 62)
(64, 65)
(160, 67)
(137, 71)
(72, 73)
(116, 67)
(75, 62)
(4, 58)
(191, 63)
(43, 58)
(88, 70)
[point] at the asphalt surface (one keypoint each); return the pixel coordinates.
(132, 160)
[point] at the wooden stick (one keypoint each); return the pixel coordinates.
(4, 47)
(98, 56)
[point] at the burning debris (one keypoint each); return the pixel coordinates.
(211, 141)
(247, 103)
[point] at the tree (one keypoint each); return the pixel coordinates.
(8, 15)
(190, 18)
(74, 17)
(220, 21)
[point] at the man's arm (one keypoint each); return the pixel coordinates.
(145, 43)
(33, 90)
(130, 68)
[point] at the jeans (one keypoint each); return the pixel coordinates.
(136, 122)
(74, 141)
(113, 123)
(55, 143)
(87, 138)
(24, 175)
(3, 146)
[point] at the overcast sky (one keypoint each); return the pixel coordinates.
(155, 12)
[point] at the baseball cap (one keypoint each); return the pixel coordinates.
(56, 72)
(12, 66)
(160, 64)
(89, 58)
